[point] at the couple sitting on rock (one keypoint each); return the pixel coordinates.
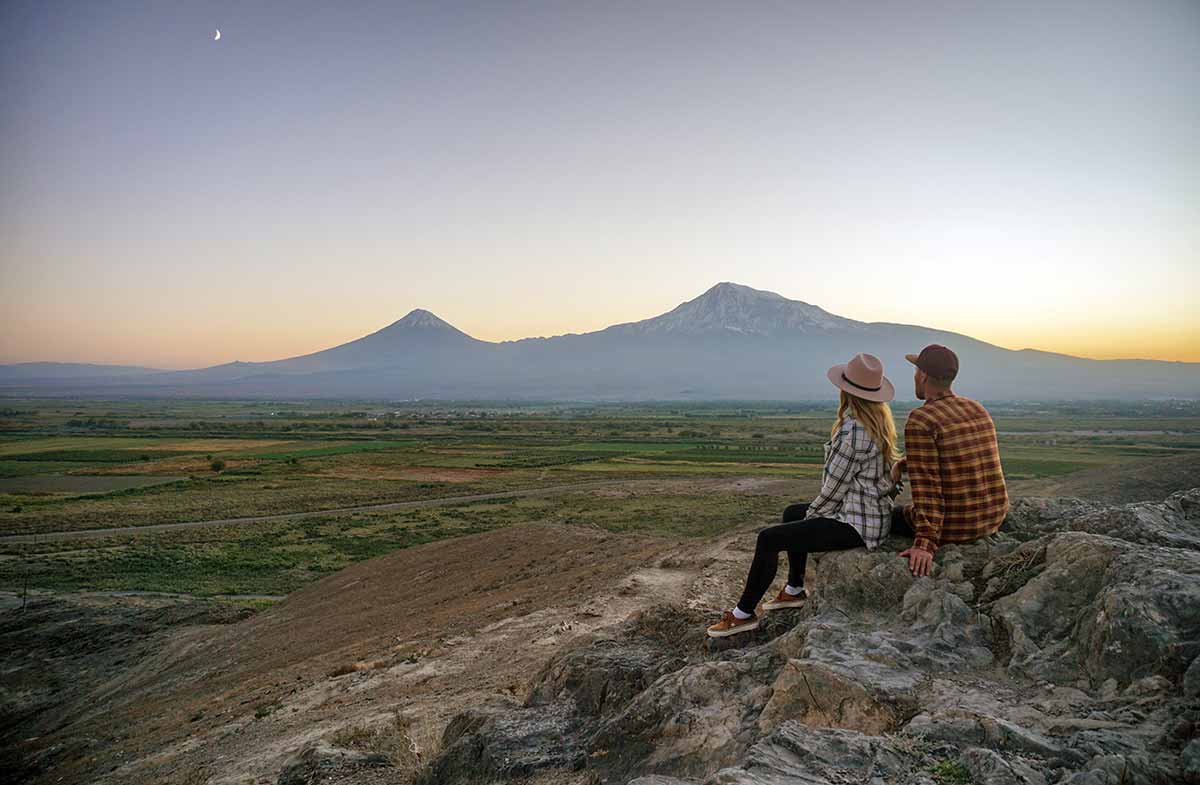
(953, 464)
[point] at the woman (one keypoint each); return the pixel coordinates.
(854, 506)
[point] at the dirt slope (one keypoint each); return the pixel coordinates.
(432, 629)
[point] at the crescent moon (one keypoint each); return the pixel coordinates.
(217, 37)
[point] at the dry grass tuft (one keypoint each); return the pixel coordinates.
(409, 744)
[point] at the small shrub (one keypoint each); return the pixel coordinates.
(192, 777)
(358, 737)
(409, 744)
(950, 772)
(17, 508)
(217, 465)
(265, 710)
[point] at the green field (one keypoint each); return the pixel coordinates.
(74, 465)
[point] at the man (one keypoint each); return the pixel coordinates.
(953, 464)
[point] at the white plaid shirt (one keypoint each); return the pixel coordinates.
(855, 485)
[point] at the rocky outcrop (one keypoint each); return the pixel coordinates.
(318, 762)
(1102, 609)
(1173, 522)
(688, 722)
(604, 677)
(796, 753)
(491, 743)
(1065, 650)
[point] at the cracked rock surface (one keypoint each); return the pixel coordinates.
(1064, 650)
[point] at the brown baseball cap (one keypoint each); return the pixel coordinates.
(936, 360)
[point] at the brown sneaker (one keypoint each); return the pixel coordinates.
(732, 625)
(785, 600)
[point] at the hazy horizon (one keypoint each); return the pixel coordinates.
(1027, 174)
(576, 332)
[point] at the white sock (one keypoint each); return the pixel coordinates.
(738, 613)
(793, 590)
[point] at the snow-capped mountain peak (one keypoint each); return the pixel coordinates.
(735, 308)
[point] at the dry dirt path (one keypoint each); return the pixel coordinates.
(161, 527)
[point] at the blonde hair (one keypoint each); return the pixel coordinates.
(876, 417)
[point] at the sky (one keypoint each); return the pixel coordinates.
(1024, 173)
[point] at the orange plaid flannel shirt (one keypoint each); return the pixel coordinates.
(954, 471)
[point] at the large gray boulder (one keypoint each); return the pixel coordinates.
(1100, 608)
(1173, 522)
(604, 677)
(843, 673)
(687, 723)
(857, 695)
(491, 743)
(861, 581)
(1034, 516)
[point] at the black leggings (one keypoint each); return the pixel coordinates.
(798, 537)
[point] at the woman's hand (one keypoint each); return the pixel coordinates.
(898, 469)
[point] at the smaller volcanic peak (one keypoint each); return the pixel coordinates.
(419, 317)
(419, 331)
(417, 325)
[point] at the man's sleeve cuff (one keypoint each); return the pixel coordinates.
(925, 544)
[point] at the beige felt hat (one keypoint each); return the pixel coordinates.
(863, 377)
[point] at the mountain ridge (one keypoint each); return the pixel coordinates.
(730, 342)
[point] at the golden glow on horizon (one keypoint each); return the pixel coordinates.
(1109, 342)
(180, 346)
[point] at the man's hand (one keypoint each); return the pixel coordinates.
(898, 469)
(919, 560)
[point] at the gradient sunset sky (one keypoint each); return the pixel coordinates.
(1024, 173)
